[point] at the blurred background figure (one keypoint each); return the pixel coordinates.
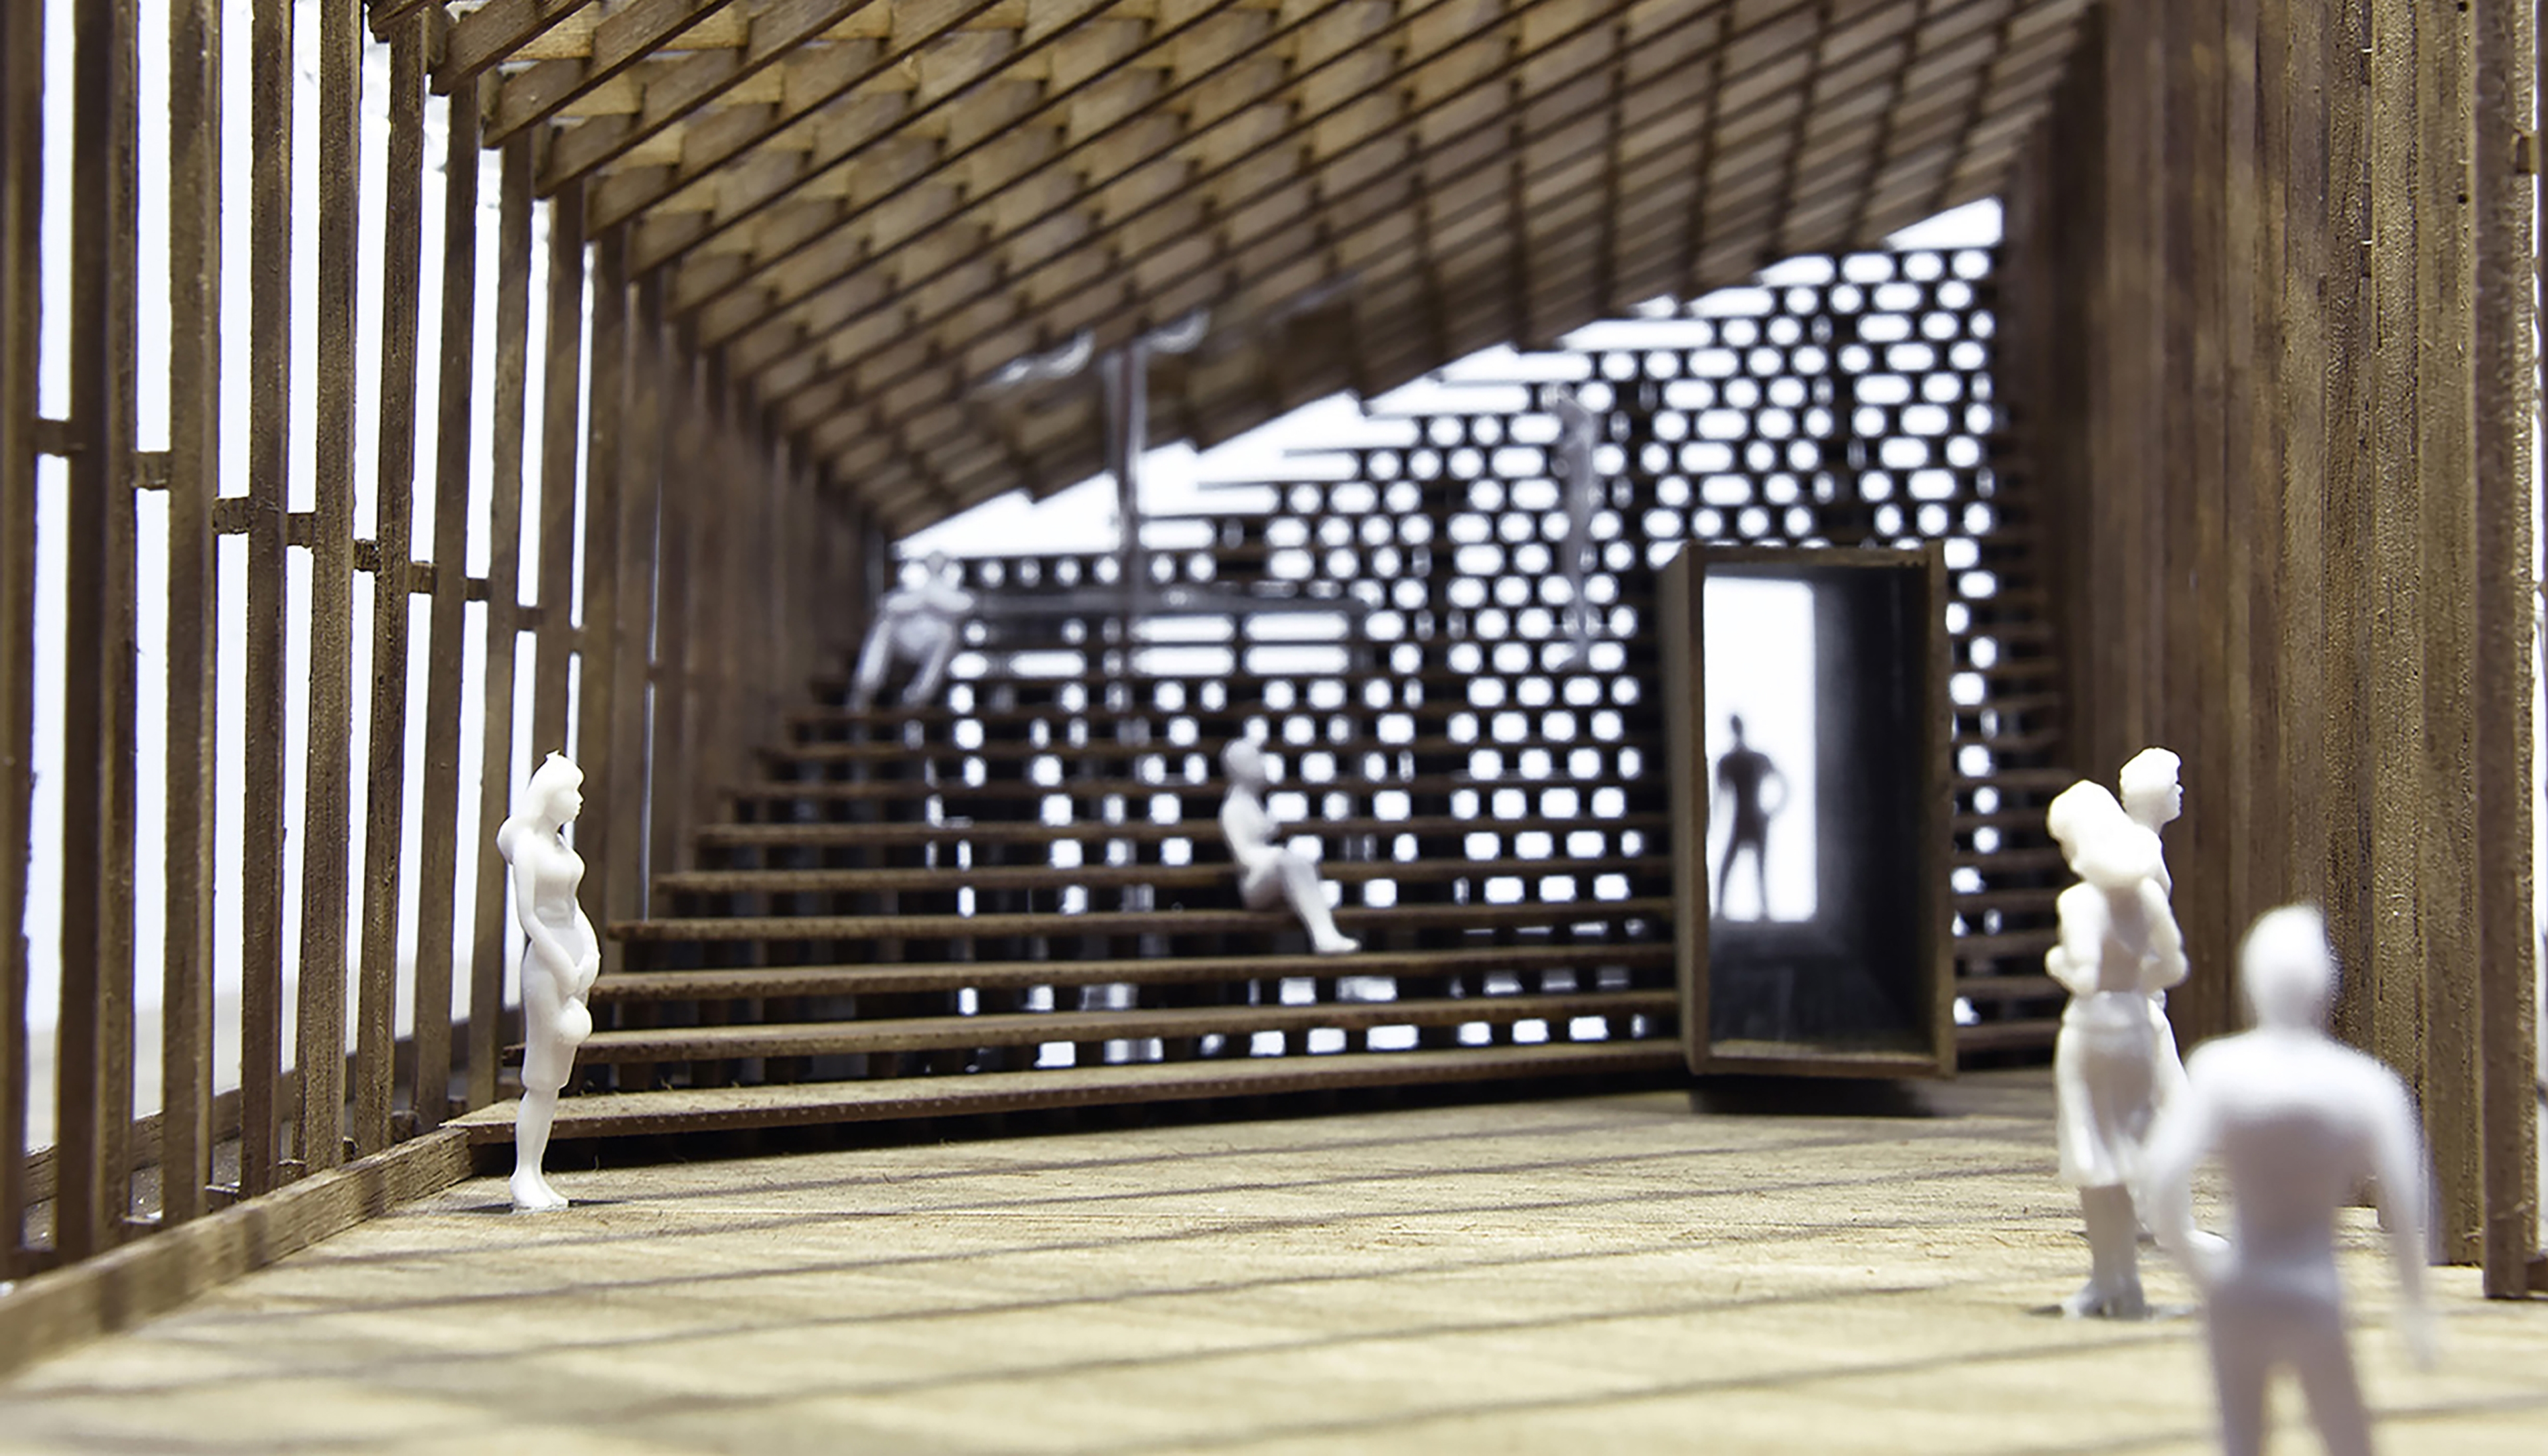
(1745, 775)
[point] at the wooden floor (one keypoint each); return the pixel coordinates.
(1862, 1274)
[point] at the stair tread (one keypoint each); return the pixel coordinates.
(630, 1114)
(2014, 943)
(1110, 922)
(845, 835)
(764, 981)
(1032, 1028)
(1100, 876)
(2025, 1034)
(818, 789)
(1103, 749)
(2007, 987)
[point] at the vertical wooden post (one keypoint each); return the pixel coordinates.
(22, 180)
(2505, 85)
(269, 464)
(326, 824)
(438, 890)
(504, 608)
(94, 1075)
(385, 796)
(194, 600)
(638, 615)
(561, 413)
(669, 764)
(2345, 524)
(598, 835)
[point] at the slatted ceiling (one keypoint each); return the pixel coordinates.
(870, 207)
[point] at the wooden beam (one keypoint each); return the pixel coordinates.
(622, 37)
(54, 1312)
(487, 35)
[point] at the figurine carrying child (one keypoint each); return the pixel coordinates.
(559, 963)
(2118, 948)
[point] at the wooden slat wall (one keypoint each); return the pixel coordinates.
(693, 626)
(2282, 580)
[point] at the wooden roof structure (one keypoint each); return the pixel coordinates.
(865, 208)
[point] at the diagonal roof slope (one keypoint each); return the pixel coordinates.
(870, 206)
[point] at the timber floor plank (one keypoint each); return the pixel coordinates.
(1842, 1275)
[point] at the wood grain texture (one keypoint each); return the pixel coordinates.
(597, 745)
(561, 421)
(440, 864)
(394, 531)
(329, 806)
(195, 192)
(66, 1307)
(488, 949)
(263, 735)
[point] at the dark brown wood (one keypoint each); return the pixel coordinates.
(2506, 84)
(669, 771)
(561, 416)
(263, 734)
(393, 530)
(439, 868)
(620, 40)
(93, 1078)
(503, 613)
(194, 447)
(22, 143)
(488, 35)
(328, 820)
(597, 747)
(637, 615)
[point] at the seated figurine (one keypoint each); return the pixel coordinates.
(2119, 945)
(2299, 1122)
(1269, 874)
(923, 624)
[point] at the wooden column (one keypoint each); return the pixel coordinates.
(93, 1103)
(437, 888)
(194, 602)
(504, 613)
(21, 152)
(2506, 84)
(270, 462)
(385, 787)
(599, 832)
(561, 416)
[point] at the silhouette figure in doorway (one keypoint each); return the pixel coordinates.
(1744, 776)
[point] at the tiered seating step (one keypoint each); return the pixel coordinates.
(719, 1109)
(764, 981)
(849, 836)
(1029, 1029)
(1112, 876)
(1120, 922)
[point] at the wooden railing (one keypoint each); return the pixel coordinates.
(649, 567)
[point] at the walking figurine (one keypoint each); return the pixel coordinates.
(2299, 1120)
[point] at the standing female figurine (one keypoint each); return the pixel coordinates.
(2119, 944)
(558, 965)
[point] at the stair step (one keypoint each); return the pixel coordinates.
(1104, 750)
(2017, 779)
(1109, 876)
(2015, 702)
(850, 836)
(635, 1113)
(2010, 860)
(821, 791)
(2007, 987)
(1975, 901)
(834, 686)
(1029, 1029)
(1231, 713)
(2025, 1034)
(2027, 818)
(744, 983)
(1120, 922)
(2006, 946)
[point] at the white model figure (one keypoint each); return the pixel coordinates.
(2118, 943)
(558, 965)
(1578, 431)
(2299, 1122)
(1268, 872)
(2154, 798)
(923, 623)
